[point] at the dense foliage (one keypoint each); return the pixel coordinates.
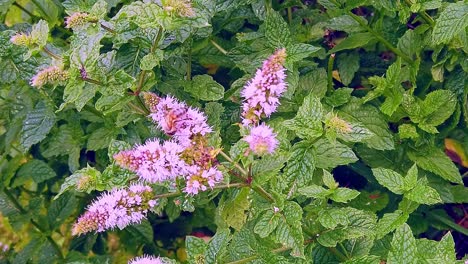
(233, 131)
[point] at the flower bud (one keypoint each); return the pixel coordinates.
(51, 75)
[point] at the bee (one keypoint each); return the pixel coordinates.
(173, 117)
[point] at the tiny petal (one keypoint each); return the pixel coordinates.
(262, 140)
(22, 39)
(147, 259)
(181, 8)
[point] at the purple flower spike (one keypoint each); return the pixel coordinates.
(261, 94)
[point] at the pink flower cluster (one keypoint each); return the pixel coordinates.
(178, 120)
(263, 91)
(147, 260)
(118, 208)
(50, 75)
(186, 156)
(261, 100)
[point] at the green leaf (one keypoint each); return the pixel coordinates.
(142, 231)
(37, 170)
(217, 246)
(276, 30)
(299, 51)
(371, 118)
(205, 88)
(101, 138)
(407, 131)
(344, 195)
(307, 123)
(330, 155)
(346, 23)
(437, 107)
(267, 223)
(410, 44)
(328, 180)
(330, 218)
(453, 20)
(390, 222)
(411, 178)
(434, 160)
(348, 65)
(196, 248)
(268, 167)
(7, 208)
(389, 179)
(289, 230)
(301, 164)
(314, 82)
(404, 248)
(423, 194)
(339, 97)
(90, 174)
(151, 60)
(60, 209)
(37, 125)
(233, 212)
(314, 191)
(364, 260)
(354, 41)
(145, 15)
(40, 33)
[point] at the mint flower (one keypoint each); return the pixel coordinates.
(182, 8)
(179, 120)
(118, 208)
(78, 20)
(261, 94)
(22, 39)
(262, 140)
(202, 180)
(146, 259)
(51, 75)
(154, 162)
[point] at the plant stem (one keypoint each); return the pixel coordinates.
(331, 61)
(242, 170)
(289, 15)
(25, 10)
(51, 54)
(86, 79)
(223, 51)
(108, 29)
(263, 193)
(381, 39)
(189, 64)
(423, 14)
(337, 253)
(34, 223)
(141, 79)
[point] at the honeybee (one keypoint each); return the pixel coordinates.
(172, 118)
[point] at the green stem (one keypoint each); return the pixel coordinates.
(331, 61)
(34, 223)
(449, 223)
(239, 167)
(25, 10)
(223, 51)
(423, 14)
(143, 106)
(86, 79)
(289, 15)
(143, 73)
(380, 38)
(338, 254)
(189, 64)
(263, 193)
(108, 29)
(51, 54)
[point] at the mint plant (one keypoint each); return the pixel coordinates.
(253, 131)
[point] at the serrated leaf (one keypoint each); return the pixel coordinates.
(434, 160)
(407, 131)
(344, 195)
(437, 107)
(410, 43)
(40, 33)
(267, 223)
(354, 41)
(37, 170)
(328, 180)
(151, 60)
(60, 209)
(218, 245)
(411, 178)
(346, 23)
(314, 82)
(332, 217)
(404, 248)
(314, 191)
(390, 222)
(289, 230)
(307, 123)
(101, 138)
(364, 260)
(301, 164)
(196, 248)
(423, 194)
(276, 30)
(37, 125)
(142, 231)
(348, 65)
(205, 88)
(373, 120)
(234, 209)
(389, 179)
(339, 97)
(451, 21)
(330, 155)
(299, 51)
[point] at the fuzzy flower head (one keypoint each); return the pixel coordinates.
(118, 208)
(338, 125)
(51, 75)
(178, 120)
(146, 259)
(202, 180)
(153, 161)
(182, 8)
(151, 100)
(261, 94)
(77, 20)
(262, 140)
(22, 39)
